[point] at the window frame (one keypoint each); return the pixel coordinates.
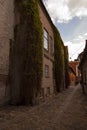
(46, 39)
(46, 71)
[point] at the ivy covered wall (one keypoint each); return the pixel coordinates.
(26, 52)
(58, 61)
(61, 64)
(27, 55)
(67, 78)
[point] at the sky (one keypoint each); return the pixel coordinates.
(70, 17)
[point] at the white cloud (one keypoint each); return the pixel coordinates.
(65, 10)
(85, 34)
(76, 46)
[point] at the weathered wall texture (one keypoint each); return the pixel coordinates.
(47, 83)
(6, 33)
(22, 52)
(27, 57)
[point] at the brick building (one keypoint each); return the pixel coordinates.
(72, 76)
(9, 19)
(48, 51)
(74, 72)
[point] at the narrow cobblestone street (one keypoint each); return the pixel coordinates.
(65, 111)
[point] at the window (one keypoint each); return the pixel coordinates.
(46, 39)
(46, 71)
(51, 47)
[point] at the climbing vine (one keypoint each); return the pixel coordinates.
(28, 52)
(58, 61)
(67, 78)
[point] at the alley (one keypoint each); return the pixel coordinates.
(65, 111)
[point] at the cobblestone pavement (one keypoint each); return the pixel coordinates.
(65, 111)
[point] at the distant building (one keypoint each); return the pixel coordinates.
(72, 76)
(74, 72)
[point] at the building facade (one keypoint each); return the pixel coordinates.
(72, 76)
(74, 72)
(48, 51)
(14, 53)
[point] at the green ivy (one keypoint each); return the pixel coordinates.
(58, 60)
(28, 53)
(61, 68)
(67, 78)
